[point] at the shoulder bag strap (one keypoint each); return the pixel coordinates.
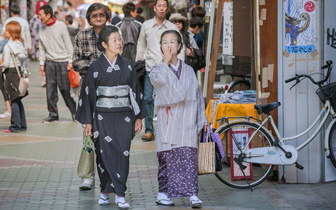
(14, 60)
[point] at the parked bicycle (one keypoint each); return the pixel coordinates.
(252, 151)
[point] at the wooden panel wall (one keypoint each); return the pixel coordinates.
(268, 50)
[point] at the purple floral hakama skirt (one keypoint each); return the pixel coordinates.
(178, 172)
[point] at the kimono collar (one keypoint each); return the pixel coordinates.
(109, 67)
(177, 65)
(111, 64)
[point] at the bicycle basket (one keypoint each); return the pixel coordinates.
(330, 91)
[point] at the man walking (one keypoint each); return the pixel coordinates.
(149, 49)
(130, 30)
(85, 53)
(55, 62)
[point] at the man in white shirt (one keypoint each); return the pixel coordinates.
(148, 49)
(25, 33)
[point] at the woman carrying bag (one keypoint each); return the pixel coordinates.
(10, 75)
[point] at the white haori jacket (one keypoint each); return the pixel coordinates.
(179, 107)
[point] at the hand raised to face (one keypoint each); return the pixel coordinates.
(167, 54)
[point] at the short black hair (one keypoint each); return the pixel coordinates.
(139, 10)
(198, 11)
(69, 18)
(15, 9)
(104, 35)
(161, 0)
(97, 6)
(128, 8)
(47, 10)
(196, 21)
(178, 37)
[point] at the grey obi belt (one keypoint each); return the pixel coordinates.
(116, 96)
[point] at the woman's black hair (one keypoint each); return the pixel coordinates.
(104, 35)
(185, 34)
(97, 6)
(178, 37)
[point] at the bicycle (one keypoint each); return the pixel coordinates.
(252, 151)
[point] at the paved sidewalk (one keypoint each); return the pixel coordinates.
(38, 170)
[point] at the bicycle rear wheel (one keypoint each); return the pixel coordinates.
(236, 171)
(332, 144)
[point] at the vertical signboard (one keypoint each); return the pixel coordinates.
(228, 33)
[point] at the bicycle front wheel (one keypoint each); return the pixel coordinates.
(332, 144)
(236, 171)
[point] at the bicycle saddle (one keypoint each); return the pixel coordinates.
(266, 108)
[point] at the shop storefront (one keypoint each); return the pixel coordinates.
(288, 37)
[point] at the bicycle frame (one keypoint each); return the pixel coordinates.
(327, 110)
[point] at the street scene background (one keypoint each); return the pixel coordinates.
(38, 170)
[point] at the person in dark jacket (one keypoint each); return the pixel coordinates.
(138, 16)
(73, 31)
(116, 19)
(130, 30)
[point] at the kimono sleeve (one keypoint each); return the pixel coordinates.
(168, 90)
(138, 92)
(87, 99)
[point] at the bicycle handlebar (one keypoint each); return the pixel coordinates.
(297, 77)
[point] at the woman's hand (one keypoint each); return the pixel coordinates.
(190, 52)
(1, 61)
(167, 55)
(138, 126)
(88, 130)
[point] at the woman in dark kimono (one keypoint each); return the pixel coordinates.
(111, 106)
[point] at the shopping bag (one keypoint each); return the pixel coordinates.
(85, 167)
(73, 78)
(206, 155)
(23, 86)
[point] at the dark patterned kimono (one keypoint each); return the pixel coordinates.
(112, 127)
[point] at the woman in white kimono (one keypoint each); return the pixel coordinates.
(111, 106)
(180, 117)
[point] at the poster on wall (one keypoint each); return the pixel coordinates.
(300, 26)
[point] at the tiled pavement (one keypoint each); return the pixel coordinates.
(38, 171)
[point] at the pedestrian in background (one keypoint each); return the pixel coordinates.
(149, 48)
(198, 11)
(85, 53)
(10, 78)
(73, 31)
(138, 17)
(111, 121)
(55, 61)
(189, 43)
(130, 30)
(180, 109)
(25, 32)
(35, 26)
(116, 19)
